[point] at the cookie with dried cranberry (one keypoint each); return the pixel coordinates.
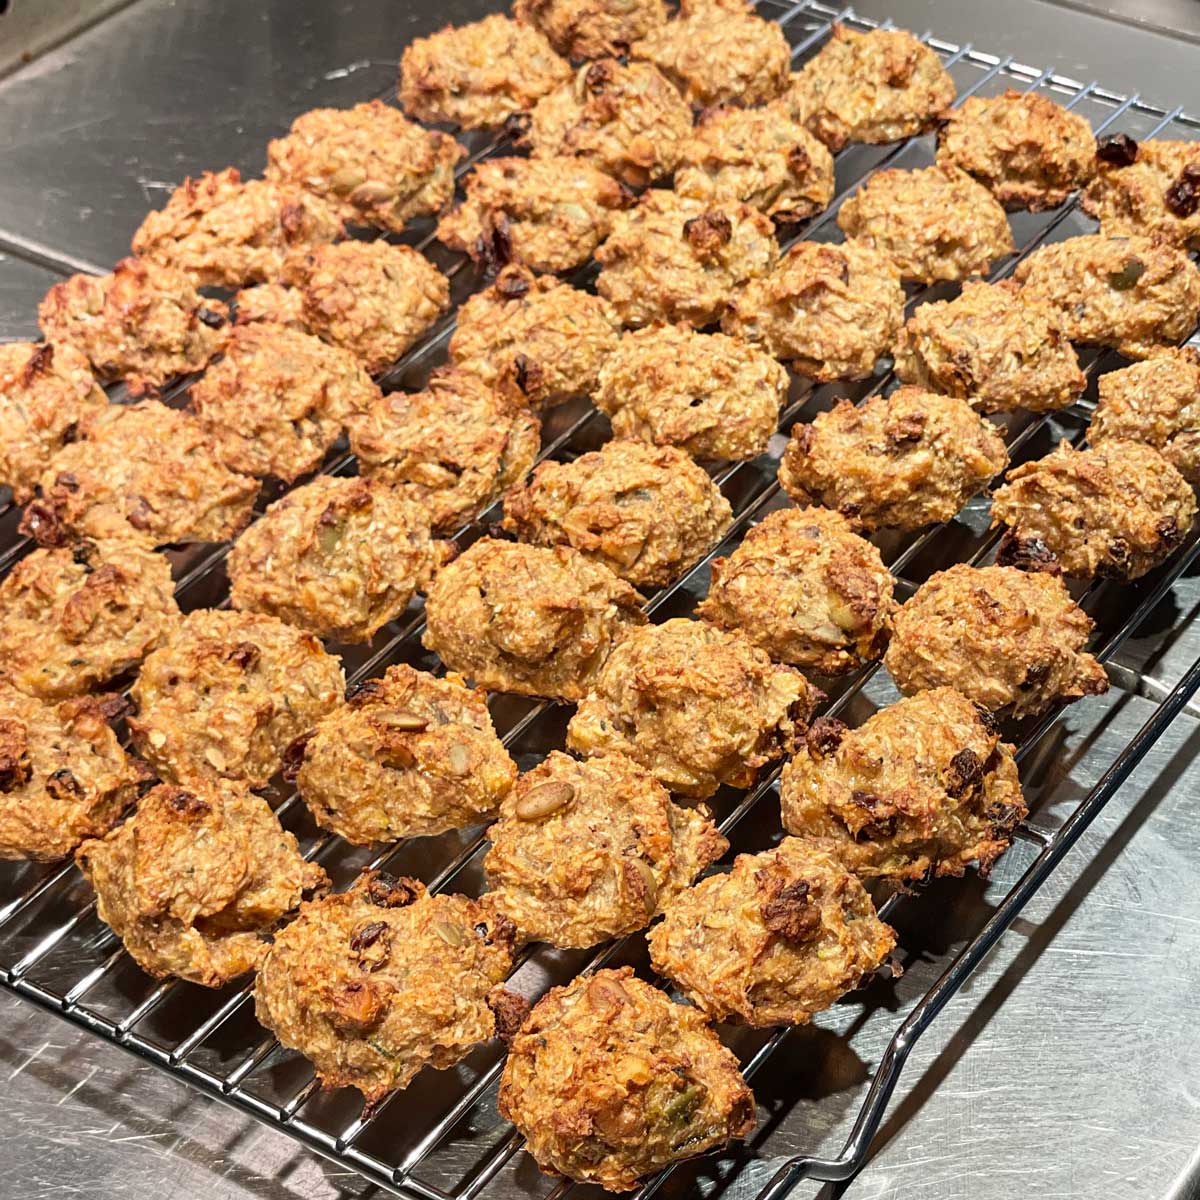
(1151, 189)
(370, 163)
(339, 557)
(645, 512)
(228, 694)
(276, 401)
(144, 323)
(588, 851)
(592, 28)
(221, 231)
(455, 447)
(1119, 508)
(879, 86)
(71, 620)
(526, 619)
(45, 391)
(549, 214)
(478, 75)
(625, 118)
(807, 589)
(782, 936)
(196, 878)
(924, 787)
(373, 984)
(63, 774)
(535, 338)
(408, 755)
(1026, 150)
(142, 472)
(893, 462)
(717, 397)
(672, 258)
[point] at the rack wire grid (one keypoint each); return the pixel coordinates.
(443, 1138)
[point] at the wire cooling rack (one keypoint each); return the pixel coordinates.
(443, 1138)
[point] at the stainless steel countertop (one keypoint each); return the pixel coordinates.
(1069, 1067)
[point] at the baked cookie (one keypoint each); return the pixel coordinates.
(455, 447)
(1117, 509)
(1151, 189)
(716, 397)
(524, 619)
(228, 694)
(63, 774)
(224, 232)
(592, 28)
(935, 223)
(671, 258)
(830, 311)
(1007, 639)
(588, 851)
(609, 1081)
(71, 620)
(408, 755)
(807, 590)
(782, 936)
(193, 882)
(901, 461)
(697, 706)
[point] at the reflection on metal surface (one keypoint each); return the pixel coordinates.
(443, 1137)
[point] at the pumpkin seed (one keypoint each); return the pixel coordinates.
(544, 801)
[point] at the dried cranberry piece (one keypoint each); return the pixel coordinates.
(1117, 149)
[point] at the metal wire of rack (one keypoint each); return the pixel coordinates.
(55, 953)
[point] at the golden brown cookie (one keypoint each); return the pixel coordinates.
(228, 694)
(1007, 639)
(716, 397)
(719, 52)
(408, 755)
(548, 213)
(609, 1081)
(73, 619)
(275, 303)
(339, 557)
(276, 401)
(625, 118)
(994, 347)
(196, 878)
(45, 391)
(588, 851)
(143, 323)
(807, 590)
(935, 223)
(671, 258)
(893, 462)
(1026, 150)
(220, 231)
(371, 298)
(1156, 402)
(534, 337)
(478, 75)
(758, 156)
(369, 163)
(783, 935)
(142, 472)
(697, 706)
(880, 86)
(375, 983)
(1134, 293)
(524, 619)
(456, 447)
(1156, 193)
(830, 311)
(63, 774)
(592, 28)
(1118, 509)
(925, 786)
(645, 512)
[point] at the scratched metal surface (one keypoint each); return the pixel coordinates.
(1068, 1066)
